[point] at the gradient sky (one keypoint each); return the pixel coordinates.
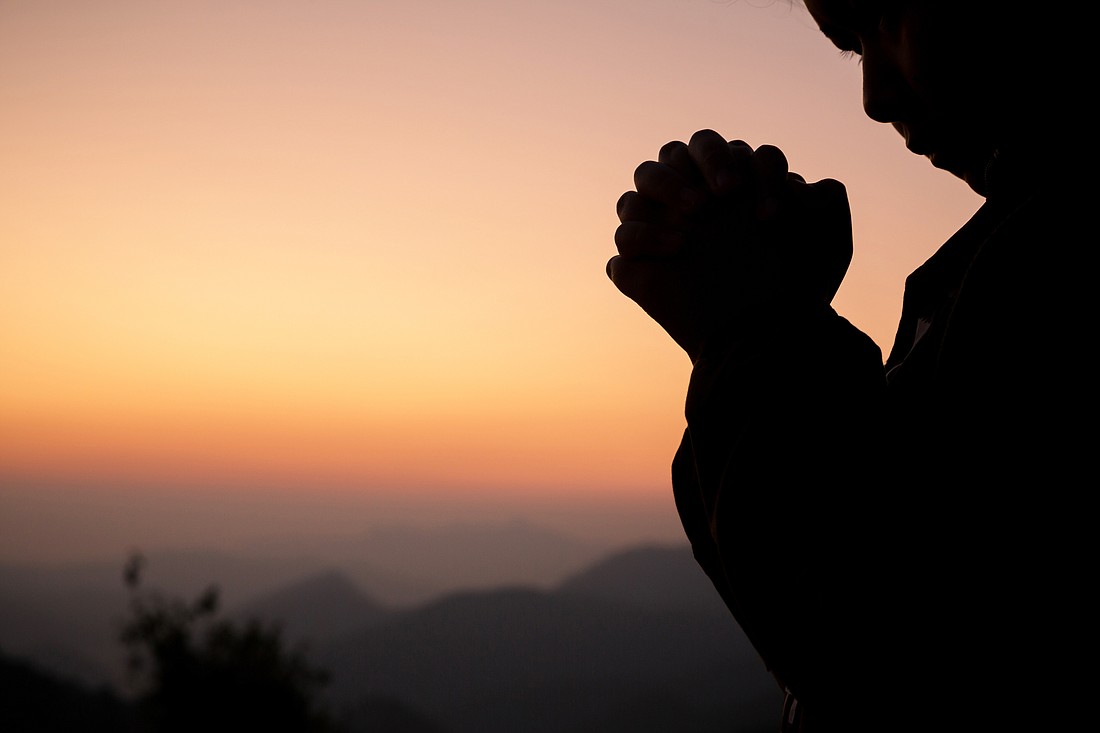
(350, 253)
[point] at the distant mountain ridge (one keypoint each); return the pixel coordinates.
(66, 616)
(635, 640)
(320, 607)
(582, 657)
(658, 576)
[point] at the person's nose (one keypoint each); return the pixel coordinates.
(885, 91)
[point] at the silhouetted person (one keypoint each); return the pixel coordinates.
(908, 544)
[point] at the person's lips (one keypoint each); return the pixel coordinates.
(936, 154)
(927, 148)
(943, 151)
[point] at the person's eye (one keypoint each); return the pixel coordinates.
(882, 15)
(849, 45)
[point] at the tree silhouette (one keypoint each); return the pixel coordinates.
(197, 672)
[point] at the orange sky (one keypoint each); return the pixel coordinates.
(357, 247)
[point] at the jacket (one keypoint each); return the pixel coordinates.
(906, 544)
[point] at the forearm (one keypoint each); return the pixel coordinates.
(780, 405)
(776, 452)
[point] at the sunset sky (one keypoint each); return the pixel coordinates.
(296, 261)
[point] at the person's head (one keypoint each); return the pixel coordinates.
(959, 79)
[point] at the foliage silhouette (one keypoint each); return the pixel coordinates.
(195, 671)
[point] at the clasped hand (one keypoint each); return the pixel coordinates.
(717, 234)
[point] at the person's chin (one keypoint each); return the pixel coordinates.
(972, 174)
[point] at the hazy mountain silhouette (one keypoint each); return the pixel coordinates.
(35, 701)
(320, 607)
(61, 619)
(634, 641)
(654, 576)
(64, 617)
(525, 659)
(479, 555)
